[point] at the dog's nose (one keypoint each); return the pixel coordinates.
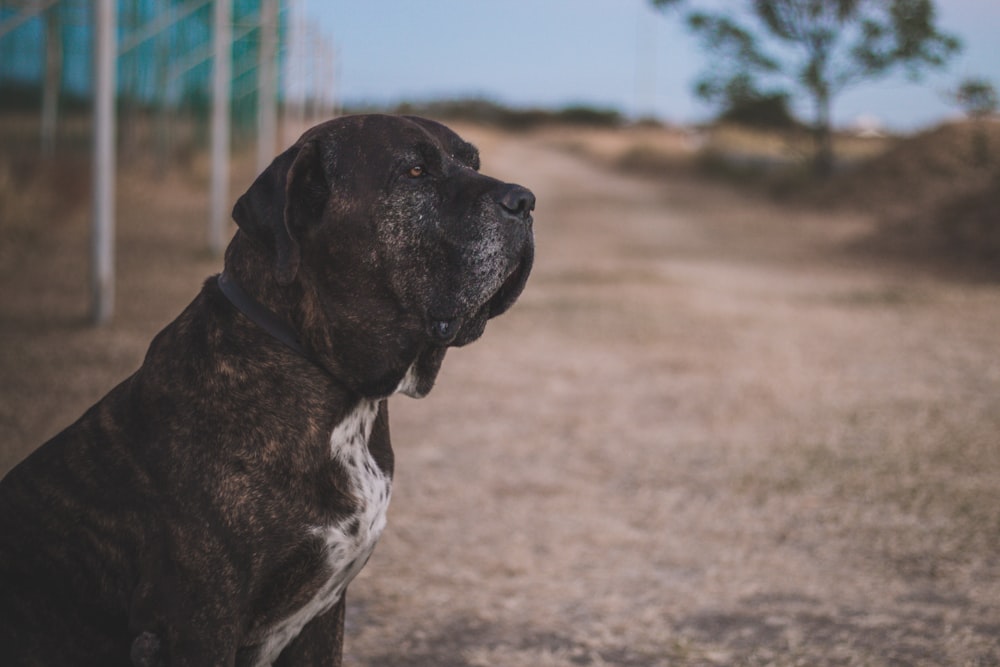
(517, 201)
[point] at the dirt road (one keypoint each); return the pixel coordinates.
(705, 436)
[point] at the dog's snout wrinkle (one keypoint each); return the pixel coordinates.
(517, 201)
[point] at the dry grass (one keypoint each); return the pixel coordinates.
(656, 149)
(936, 194)
(705, 436)
(923, 170)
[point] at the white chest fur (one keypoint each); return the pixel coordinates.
(350, 542)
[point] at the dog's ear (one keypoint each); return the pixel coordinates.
(280, 204)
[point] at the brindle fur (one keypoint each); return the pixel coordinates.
(173, 524)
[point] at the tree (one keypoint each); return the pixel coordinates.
(745, 106)
(817, 48)
(977, 97)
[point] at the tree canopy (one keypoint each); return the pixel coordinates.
(977, 97)
(815, 48)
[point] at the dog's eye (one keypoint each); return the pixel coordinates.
(415, 172)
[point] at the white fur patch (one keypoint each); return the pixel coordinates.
(350, 542)
(408, 385)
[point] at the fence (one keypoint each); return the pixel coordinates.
(230, 65)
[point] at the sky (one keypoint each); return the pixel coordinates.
(619, 54)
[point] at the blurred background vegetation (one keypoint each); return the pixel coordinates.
(937, 191)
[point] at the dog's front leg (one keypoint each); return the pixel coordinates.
(150, 650)
(182, 616)
(321, 642)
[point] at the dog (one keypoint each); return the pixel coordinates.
(214, 506)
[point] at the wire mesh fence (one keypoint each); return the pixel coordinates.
(182, 81)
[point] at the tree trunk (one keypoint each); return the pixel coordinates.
(823, 135)
(53, 79)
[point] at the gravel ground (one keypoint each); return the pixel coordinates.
(706, 435)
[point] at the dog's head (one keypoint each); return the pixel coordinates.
(392, 244)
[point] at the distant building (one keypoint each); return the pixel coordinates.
(868, 126)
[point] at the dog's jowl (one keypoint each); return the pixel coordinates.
(213, 507)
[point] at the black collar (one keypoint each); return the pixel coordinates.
(259, 314)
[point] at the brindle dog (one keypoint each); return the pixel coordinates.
(213, 507)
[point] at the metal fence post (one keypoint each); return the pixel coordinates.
(267, 105)
(103, 227)
(221, 86)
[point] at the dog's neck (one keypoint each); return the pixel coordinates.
(259, 314)
(264, 302)
(294, 313)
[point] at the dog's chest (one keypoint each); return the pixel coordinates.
(348, 542)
